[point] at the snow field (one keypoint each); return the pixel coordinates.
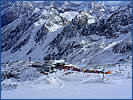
(75, 85)
(118, 89)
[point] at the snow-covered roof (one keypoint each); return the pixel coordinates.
(58, 61)
(70, 65)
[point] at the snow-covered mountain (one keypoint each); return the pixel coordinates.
(94, 36)
(80, 32)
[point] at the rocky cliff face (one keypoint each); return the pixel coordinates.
(59, 31)
(78, 39)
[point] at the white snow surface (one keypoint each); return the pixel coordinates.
(76, 85)
(118, 89)
(69, 15)
(72, 86)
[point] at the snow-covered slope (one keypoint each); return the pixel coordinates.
(119, 89)
(28, 81)
(79, 32)
(89, 34)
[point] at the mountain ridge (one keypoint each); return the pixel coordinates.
(71, 35)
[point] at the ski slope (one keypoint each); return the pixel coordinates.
(118, 89)
(75, 85)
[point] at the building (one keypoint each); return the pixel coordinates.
(48, 67)
(59, 64)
